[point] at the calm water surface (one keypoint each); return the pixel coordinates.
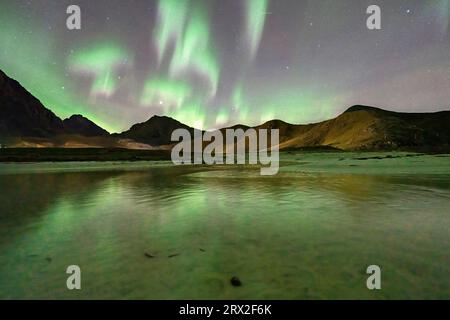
(308, 233)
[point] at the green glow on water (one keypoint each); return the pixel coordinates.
(308, 233)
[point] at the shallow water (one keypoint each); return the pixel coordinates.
(308, 233)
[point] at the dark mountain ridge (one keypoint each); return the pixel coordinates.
(368, 128)
(77, 124)
(156, 131)
(358, 128)
(23, 115)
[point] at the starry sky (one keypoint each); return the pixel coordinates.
(212, 63)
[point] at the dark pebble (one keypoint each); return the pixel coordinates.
(235, 282)
(174, 255)
(148, 255)
(202, 250)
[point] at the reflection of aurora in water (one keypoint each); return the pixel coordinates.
(216, 63)
(306, 233)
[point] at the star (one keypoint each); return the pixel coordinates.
(242, 51)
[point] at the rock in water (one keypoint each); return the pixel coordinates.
(235, 282)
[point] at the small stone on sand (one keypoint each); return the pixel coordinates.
(235, 282)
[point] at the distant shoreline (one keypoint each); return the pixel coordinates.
(20, 155)
(80, 155)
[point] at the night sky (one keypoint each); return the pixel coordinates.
(214, 63)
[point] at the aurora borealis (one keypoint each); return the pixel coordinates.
(211, 63)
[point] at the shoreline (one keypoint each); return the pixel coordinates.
(37, 155)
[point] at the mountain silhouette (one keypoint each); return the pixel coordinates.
(156, 131)
(358, 128)
(368, 128)
(77, 124)
(22, 115)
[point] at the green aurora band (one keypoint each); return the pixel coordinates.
(30, 57)
(211, 63)
(193, 50)
(256, 19)
(172, 15)
(181, 21)
(100, 61)
(166, 92)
